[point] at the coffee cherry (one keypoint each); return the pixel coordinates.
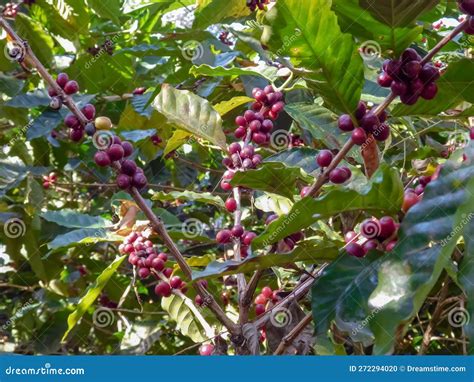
(71, 87)
(103, 123)
(382, 132)
(345, 123)
(163, 289)
(278, 107)
(224, 236)
(90, 129)
(115, 152)
(247, 152)
(428, 73)
(324, 158)
(267, 126)
(158, 264)
(419, 189)
(129, 167)
(267, 292)
(466, 6)
(127, 148)
(56, 103)
(429, 91)
(231, 204)
(411, 69)
(410, 54)
(359, 136)
(349, 236)
(240, 132)
(390, 246)
(369, 122)
(257, 160)
(62, 79)
(384, 80)
(139, 180)
(261, 299)
(46, 185)
(206, 349)
(71, 121)
(198, 300)
(399, 88)
(416, 87)
(361, 110)
(354, 249)
(305, 191)
(175, 282)
(338, 176)
(88, 111)
(52, 92)
(226, 186)
(387, 227)
(259, 138)
(234, 148)
(259, 309)
(249, 116)
(123, 181)
(409, 200)
(237, 231)
(139, 91)
(393, 68)
(168, 272)
(143, 273)
(76, 135)
(369, 245)
(248, 238)
(471, 133)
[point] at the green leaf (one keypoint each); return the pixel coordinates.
(92, 293)
(108, 9)
(397, 12)
(273, 203)
(44, 124)
(191, 113)
(226, 106)
(303, 158)
(191, 196)
(454, 87)
(179, 138)
(271, 177)
(83, 236)
(384, 192)
(268, 72)
(216, 11)
(308, 251)
(73, 219)
(308, 32)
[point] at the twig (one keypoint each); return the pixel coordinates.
(295, 332)
(247, 296)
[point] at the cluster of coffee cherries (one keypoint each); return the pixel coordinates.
(237, 232)
(254, 4)
(408, 78)
(414, 195)
(49, 180)
(148, 261)
(77, 129)
(224, 38)
(288, 243)
(266, 295)
(10, 10)
(107, 46)
(374, 234)
(368, 123)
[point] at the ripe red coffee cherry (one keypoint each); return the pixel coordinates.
(382, 132)
(409, 200)
(409, 99)
(163, 289)
(345, 123)
(369, 122)
(127, 148)
(231, 204)
(355, 250)
(389, 247)
(257, 160)
(123, 181)
(175, 282)
(410, 54)
(278, 107)
(62, 79)
(471, 133)
(324, 158)
(71, 87)
(168, 272)
(234, 148)
(359, 136)
(129, 167)
(224, 236)
(267, 126)
(466, 6)
(247, 152)
(411, 69)
(226, 186)
(393, 68)
(240, 132)
(102, 159)
(71, 121)
(158, 264)
(259, 138)
(419, 189)
(349, 236)
(248, 238)
(267, 292)
(260, 96)
(89, 111)
(384, 80)
(240, 121)
(428, 73)
(198, 300)
(424, 180)
(259, 309)
(370, 245)
(387, 227)
(143, 273)
(139, 180)
(429, 91)
(261, 299)
(247, 163)
(305, 191)
(399, 88)
(206, 349)
(361, 110)
(249, 115)
(115, 152)
(237, 231)
(338, 176)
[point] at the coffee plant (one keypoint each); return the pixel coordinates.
(245, 177)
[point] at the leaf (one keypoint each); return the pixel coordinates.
(13, 171)
(140, 337)
(308, 32)
(108, 9)
(320, 122)
(397, 12)
(40, 42)
(83, 236)
(271, 177)
(191, 113)
(268, 72)
(309, 251)
(180, 313)
(29, 100)
(303, 158)
(273, 203)
(92, 293)
(453, 87)
(204, 197)
(216, 11)
(44, 124)
(225, 107)
(73, 219)
(179, 138)
(384, 192)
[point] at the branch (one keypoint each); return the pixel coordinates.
(291, 336)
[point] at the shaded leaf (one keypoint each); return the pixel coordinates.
(202, 197)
